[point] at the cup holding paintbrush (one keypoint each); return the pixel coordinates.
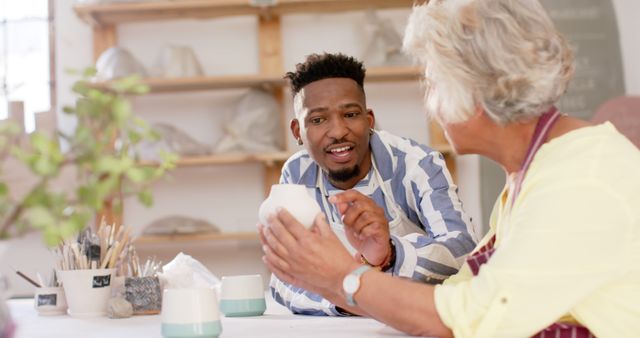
(87, 268)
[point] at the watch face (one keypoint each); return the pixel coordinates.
(351, 284)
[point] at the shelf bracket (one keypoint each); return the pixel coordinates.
(263, 3)
(264, 6)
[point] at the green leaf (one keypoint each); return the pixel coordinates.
(107, 187)
(80, 87)
(140, 89)
(169, 160)
(109, 164)
(153, 135)
(10, 128)
(121, 110)
(136, 175)
(88, 195)
(134, 136)
(43, 166)
(43, 144)
(40, 217)
(126, 84)
(145, 197)
(140, 122)
(89, 72)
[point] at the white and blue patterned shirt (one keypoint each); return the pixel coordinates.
(422, 188)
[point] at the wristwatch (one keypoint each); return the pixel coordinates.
(351, 283)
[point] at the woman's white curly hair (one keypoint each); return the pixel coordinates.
(502, 55)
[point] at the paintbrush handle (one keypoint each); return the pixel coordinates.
(28, 279)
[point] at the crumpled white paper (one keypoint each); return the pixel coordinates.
(186, 272)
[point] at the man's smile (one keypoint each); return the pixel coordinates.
(340, 153)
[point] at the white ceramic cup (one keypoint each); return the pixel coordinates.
(242, 296)
(294, 198)
(87, 291)
(50, 301)
(190, 312)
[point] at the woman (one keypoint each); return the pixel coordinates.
(562, 256)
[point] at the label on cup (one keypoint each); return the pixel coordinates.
(50, 299)
(101, 281)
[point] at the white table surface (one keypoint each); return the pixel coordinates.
(277, 322)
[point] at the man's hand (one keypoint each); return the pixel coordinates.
(366, 226)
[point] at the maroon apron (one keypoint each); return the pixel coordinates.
(480, 257)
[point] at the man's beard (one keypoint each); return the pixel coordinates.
(344, 175)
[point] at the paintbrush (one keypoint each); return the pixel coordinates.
(31, 281)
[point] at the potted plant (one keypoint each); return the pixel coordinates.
(99, 154)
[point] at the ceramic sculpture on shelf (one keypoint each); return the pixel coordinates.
(254, 126)
(177, 61)
(179, 225)
(295, 199)
(383, 42)
(172, 140)
(117, 62)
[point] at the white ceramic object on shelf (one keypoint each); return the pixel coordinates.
(254, 126)
(292, 197)
(178, 61)
(117, 62)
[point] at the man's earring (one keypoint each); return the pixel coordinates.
(299, 141)
(371, 131)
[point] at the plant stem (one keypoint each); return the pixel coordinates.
(13, 216)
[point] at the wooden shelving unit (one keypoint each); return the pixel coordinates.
(105, 17)
(117, 13)
(167, 85)
(270, 159)
(160, 239)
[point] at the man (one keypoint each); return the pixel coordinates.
(399, 188)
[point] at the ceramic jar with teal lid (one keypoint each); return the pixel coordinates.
(242, 296)
(190, 313)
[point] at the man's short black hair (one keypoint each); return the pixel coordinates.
(323, 66)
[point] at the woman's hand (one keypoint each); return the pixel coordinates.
(313, 259)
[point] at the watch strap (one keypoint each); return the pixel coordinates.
(355, 273)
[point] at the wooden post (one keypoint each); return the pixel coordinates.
(436, 134)
(270, 54)
(437, 138)
(271, 175)
(104, 37)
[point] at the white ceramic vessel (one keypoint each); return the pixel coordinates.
(87, 291)
(292, 197)
(190, 312)
(50, 301)
(242, 296)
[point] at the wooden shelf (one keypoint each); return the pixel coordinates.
(231, 236)
(165, 85)
(445, 149)
(115, 13)
(160, 85)
(269, 159)
(394, 74)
